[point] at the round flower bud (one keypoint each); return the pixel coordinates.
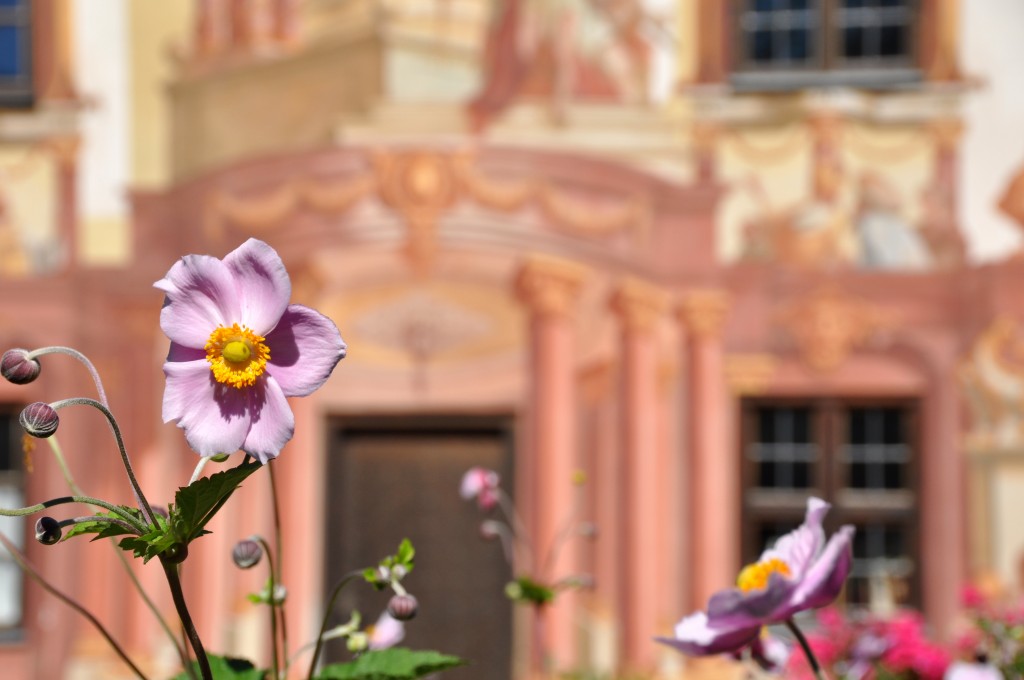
(48, 530)
(39, 419)
(490, 530)
(247, 554)
(16, 367)
(176, 554)
(220, 457)
(403, 607)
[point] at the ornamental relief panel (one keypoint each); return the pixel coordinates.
(421, 186)
(828, 324)
(991, 379)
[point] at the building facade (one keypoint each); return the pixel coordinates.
(719, 256)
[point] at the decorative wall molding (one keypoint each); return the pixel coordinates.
(828, 324)
(703, 311)
(421, 185)
(550, 286)
(750, 374)
(639, 304)
(991, 379)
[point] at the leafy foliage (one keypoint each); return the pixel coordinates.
(525, 589)
(397, 663)
(393, 567)
(197, 503)
(103, 529)
(227, 668)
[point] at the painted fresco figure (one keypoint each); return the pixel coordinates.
(560, 50)
(887, 240)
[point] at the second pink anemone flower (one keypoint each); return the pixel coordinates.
(238, 349)
(799, 572)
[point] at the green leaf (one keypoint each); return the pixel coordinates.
(405, 552)
(103, 529)
(396, 663)
(197, 503)
(524, 589)
(227, 668)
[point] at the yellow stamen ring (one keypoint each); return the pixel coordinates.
(237, 356)
(755, 576)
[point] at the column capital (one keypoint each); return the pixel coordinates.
(548, 285)
(639, 304)
(703, 311)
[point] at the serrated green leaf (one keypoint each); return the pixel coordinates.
(525, 589)
(196, 504)
(103, 529)
(397, 663)
(227, 668)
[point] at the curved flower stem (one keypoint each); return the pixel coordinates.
(38, 578)
(811, 659)
(139, 496)
(75, 354)
(272, 596)
(86, 500)
(564, 534)
(519, 533)
(75, 489)
(275, 504)
(199, 468)
(327, 617)
(171, 572)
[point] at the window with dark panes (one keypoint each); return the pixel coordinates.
(11, 496)
(858, 455)
(782, 44)
(16, 53)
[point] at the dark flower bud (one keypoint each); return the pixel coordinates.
(39, 419)
(247, 554)
(16, 367)
(175, 554)
(48, 530)
(403, 607)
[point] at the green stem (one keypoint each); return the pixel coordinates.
(327, 617)
(75, 489)
(278, 543)
(140, 497)
(275, 662)
(811, 659)
(171, 572)
(38, 578)
(87, 500)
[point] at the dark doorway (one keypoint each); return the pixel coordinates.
(392, 478)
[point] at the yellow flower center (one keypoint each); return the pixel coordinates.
(237, 356)
(755, 576)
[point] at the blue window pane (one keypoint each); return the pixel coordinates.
(893, 41)
(10, 50)
(764, 5)
(853, 43)
(11, 3)
(799, 44)
(762, 47)
(852, 4)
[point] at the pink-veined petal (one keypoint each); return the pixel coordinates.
(734, 608)
(201, 295)
(694, 636)
(272, 423)
(179, 353)
(264, 288)
(799, 547)
(304, 349)
(215, 417)
(824, 580)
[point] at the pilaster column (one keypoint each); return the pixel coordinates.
(705, 147)
(65, 151)
(639, 307)
(714, 469)
(549, 288)
(286, 22)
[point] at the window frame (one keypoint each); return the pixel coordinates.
(827, 70)
(827, 419)
(14, 633)
(18, 91)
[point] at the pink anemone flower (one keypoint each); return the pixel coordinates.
(799, 572)
(238, 349)
(481, 484)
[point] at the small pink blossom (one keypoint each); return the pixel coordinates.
(481, 484)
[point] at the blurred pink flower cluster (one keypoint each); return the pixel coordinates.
(996, 631)
(865, 647)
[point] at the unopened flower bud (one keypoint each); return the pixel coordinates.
(490, 529)
(398, 572)
(16, 367)
(358, 642)
(403, 607)
(220, 457)
(383, 573)
(247, 554)
(175, 554)
(39, 419)
(48, 530)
